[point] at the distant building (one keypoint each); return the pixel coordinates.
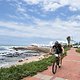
(51, 43)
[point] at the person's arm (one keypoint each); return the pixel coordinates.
(62, 50)
(51, 50)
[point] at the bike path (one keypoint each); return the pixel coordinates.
(70, 69)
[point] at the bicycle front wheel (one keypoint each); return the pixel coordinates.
(54, 67)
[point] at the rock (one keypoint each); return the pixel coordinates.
(20, 60)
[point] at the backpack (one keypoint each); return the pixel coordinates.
(58, 49)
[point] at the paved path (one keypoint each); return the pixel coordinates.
(70, 69)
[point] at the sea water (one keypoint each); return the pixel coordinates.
(9, 57)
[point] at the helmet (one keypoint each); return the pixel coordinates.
(56, 42)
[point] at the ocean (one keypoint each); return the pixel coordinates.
(9, 57)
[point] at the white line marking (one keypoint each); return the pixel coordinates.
(43, 76)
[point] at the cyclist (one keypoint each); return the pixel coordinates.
(57, 49)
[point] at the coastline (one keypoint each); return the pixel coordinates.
(26, 60)
(33, 58)
(14, 60)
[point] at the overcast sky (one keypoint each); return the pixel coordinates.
(38, 21)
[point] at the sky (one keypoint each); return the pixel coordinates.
(23, 22)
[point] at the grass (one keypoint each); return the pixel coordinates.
(28, 69)
(78, 50)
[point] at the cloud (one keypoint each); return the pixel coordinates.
(32, 1)
(15, 26)
(52, 5)
(20, 9)
(55, 29)
(74, 5)
(41, 7)
(13, 16)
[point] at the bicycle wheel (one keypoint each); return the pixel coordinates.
(54, 67)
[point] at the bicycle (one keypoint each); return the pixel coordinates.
(56, 63)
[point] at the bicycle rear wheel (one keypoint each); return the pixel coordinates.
(54, 67)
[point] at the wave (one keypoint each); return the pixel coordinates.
(10, 56)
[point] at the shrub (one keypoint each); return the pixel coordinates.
(78, 50)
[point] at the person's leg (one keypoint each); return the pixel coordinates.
(60, 60)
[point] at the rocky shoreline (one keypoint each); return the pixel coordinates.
(34, 58)
(20, 55)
